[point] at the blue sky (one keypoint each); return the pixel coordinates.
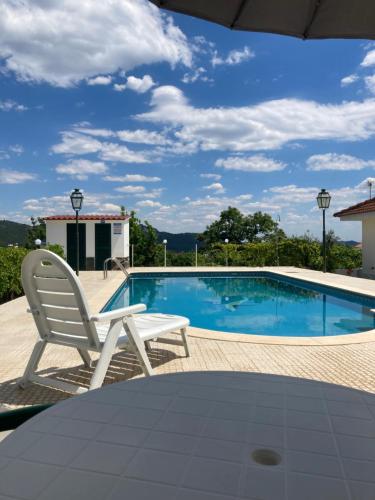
(178, 118)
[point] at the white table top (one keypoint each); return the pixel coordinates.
(192, 437)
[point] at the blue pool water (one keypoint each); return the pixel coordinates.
(252, 303)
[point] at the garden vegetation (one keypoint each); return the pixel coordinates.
(254, 240)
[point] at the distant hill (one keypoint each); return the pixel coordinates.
(12, 232)
(350, 243)
(181, 242)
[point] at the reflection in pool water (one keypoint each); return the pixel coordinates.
(250, 304)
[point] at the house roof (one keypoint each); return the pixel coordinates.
(87, 217)
(360, 208)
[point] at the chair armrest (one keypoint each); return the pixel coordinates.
(119, 313)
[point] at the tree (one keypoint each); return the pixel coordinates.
(240, 228)
(230, 225)
(261, 226)
(144, 239)
(37, 231)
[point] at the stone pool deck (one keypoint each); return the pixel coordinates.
(347, 360)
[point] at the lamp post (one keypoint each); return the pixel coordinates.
(38, 243)
(278, 220)
(196, 255)
(226, 241)
(324, 199)
(76, 199)
(165, 252)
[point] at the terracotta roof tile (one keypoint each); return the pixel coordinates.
(359, 208)
(87, 217)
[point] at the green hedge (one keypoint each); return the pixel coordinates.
(297, 252)
(10, 270)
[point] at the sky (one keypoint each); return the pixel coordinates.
(177, 118)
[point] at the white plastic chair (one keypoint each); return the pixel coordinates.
(61, 313)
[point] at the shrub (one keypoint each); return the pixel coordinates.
(10, 270)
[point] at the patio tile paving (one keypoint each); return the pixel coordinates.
(348, 364)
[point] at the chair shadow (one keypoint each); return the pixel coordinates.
(124, 366)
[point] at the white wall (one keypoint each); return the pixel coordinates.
(90, 238)
(120, 242)
(56, 234)
(368, 245)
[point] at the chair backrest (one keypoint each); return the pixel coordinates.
(57, 300)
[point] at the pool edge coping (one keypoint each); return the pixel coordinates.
(347, 339)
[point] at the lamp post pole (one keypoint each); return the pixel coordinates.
(226, 241)
(77, 244)
(165, 252)
(324, 199)
(324, 242)
(196, 255)
(76, 199)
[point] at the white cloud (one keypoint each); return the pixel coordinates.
(100, 80)
(149, 204)
(96, 132)
(195, 75)
(141, 136)
(370, 83)
(255, 163)
(9, 176)
(74, 143)
(151, 194)
(81, 169)
(234, 57)
(215, 186)
(292, 194)
(17, 149)
(117, 152)
(348, 80)
(10, 105)
(140, 85)
(333, 161)
(62, 42)
(369, 59)
(59, 204)
(131, 189)
(110, 207)
(268, 125)
(131, 178)
(119, 87)
(215, 177)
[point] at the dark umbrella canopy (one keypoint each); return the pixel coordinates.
(300, 18)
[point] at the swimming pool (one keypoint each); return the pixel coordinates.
(250, 303)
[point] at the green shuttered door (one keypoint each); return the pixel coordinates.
(102, 244)
(71, 245)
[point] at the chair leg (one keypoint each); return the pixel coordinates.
(106, 355)
(85, 357)
(185, 341)
(32, 365)
(138, 347)
(148, 345)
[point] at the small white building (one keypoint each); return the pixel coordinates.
(100, 237)
(364, 212)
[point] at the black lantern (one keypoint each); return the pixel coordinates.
(324, 199)
(76, 198)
